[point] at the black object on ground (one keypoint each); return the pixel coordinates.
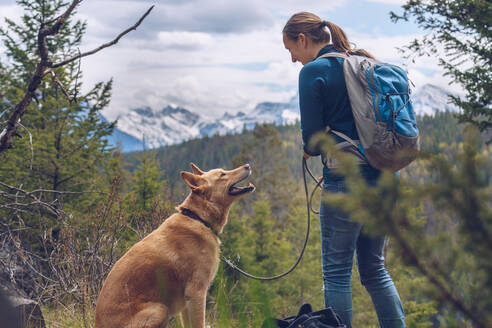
(307, 318)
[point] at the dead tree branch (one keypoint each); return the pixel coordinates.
(13, 203)
(109, 44)
(56, 80)
(45, 63)
(19, 199)
(29, 193)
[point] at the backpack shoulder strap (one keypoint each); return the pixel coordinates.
(333, 54)
(346, 56)
(348, 142)
(343, 136)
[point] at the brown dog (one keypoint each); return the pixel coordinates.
(169, 271)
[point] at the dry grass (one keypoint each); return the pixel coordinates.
(68, 317)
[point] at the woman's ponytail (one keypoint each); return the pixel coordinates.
(341, 43)
(338, 36)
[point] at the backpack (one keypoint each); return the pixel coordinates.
(379, 95)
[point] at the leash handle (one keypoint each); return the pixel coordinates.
(309, 209)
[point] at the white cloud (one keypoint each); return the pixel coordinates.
(12, 11)
(209, 56)
(390, 2)
(216, 16)
(184, 40)
(211, 76)
(209, 16)
(289, 7)
(208, 72)
(382, 47)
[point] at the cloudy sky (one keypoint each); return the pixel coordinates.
(212, 56)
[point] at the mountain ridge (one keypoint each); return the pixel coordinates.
(175, 124)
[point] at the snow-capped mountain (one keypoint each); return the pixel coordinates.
(266, 112)
(167, 126)
(430, 99)
(172, 125)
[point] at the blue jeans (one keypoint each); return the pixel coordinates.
(340, 238)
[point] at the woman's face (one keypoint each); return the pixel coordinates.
(299, 49)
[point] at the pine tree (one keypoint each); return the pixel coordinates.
(63, 148)
(441, 225)
(461, 28)
(270, 174)
(147, 179)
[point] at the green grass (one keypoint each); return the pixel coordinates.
(70, 316)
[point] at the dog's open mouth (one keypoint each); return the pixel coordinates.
(235, 190)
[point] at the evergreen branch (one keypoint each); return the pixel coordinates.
(456, 302)
(70, 177)
(106, 45)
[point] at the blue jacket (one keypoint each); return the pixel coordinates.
(323, 99)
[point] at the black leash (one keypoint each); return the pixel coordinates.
(309, 209)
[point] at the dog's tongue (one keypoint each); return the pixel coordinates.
(238, 190)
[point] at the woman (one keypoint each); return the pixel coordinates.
(324, 101)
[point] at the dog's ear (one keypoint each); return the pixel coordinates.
(195, 182)
(195, 169)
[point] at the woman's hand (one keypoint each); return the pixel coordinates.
(306, 155)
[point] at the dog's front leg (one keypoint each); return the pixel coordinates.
(193, 316)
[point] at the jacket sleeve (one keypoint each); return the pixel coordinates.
(311, 107)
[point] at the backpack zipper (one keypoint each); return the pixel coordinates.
(376, 97)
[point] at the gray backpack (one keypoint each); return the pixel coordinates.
(379, 95)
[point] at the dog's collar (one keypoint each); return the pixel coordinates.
(194, 216)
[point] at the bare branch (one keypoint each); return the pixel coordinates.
(109, 44)
(9, 131)
(28, 193)
(55, 79)
(75, 92)
(19, 206)
(14, 203)
(5, 111)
